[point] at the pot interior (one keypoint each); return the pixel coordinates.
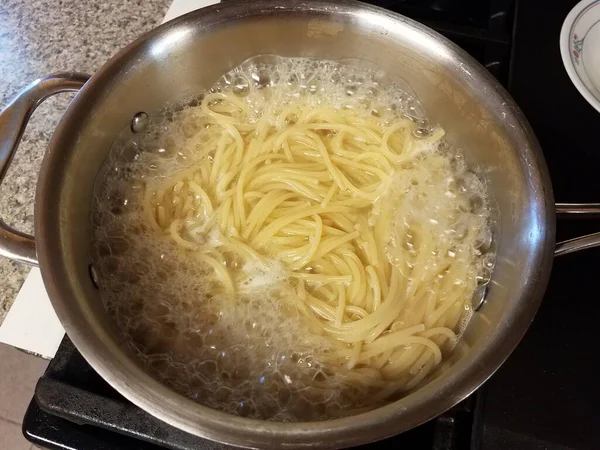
(189, 54)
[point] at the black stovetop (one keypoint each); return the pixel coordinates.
(546, 395)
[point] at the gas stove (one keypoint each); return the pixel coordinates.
(545, 395)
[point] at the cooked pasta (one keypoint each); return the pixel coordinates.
(361, 228)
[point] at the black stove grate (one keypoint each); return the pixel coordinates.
(481, 27)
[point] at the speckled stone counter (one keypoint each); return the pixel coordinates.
(38, 37)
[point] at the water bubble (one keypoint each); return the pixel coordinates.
(351, 90)
(130, 152)
(421, 132)
(422, 123)
(140, 122)
(227, 78)
(243, 409)
(110, 265)
(479, 297)
(118, 202)
(262, 79)
(292, 80)
(117, 245)
(195, 101)
(222, 394)
(378, 76)
(476, 204)
(93, 275)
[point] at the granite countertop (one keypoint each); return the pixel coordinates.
(38, 37)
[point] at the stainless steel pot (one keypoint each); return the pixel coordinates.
(188, 54)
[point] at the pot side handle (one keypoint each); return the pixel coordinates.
(577, 211)
(14, 244)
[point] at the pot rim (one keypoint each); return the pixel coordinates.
(104, 355)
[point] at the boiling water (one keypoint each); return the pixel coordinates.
(252, 354)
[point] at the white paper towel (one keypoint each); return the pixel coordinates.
(31, 323)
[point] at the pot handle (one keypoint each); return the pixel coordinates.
(14, 244)
(577, 210)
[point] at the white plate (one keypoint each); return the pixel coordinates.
(580, 49)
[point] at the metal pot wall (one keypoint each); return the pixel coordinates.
(190, 53)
